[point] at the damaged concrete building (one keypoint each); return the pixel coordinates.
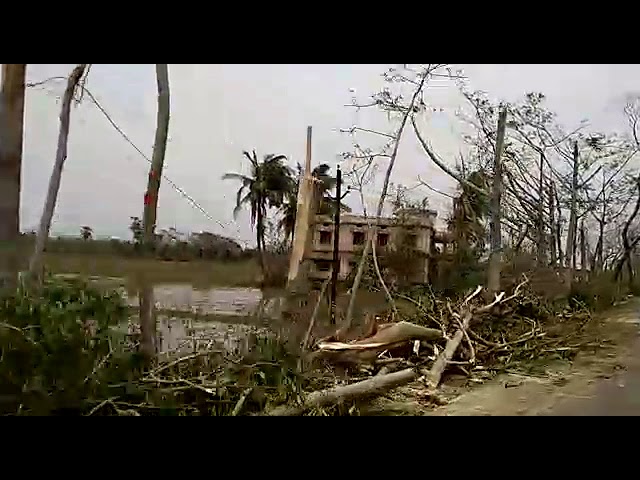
(416, 228)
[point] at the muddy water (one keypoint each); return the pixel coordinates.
(231, 323)
(240, 302)
(184, 335)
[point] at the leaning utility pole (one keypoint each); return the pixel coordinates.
(147, 318)
(11, 140)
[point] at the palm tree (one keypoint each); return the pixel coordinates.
(269, 185)
(325, 205)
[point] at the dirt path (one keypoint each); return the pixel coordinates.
(618, 395)
(605, 382)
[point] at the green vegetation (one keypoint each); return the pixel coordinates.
(271, 185)
(52, 345)
(61, 356)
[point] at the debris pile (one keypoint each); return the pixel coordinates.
(469, 336)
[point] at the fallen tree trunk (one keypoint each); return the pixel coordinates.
(387, 337)
(439, 366)
(386, 334)
(371, 387)
(445, 357)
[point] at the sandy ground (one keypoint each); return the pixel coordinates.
(605, 381)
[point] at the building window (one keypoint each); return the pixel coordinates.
(358, 238)
(324, 265)
(383, 239)
(412, 240)
(325, 237)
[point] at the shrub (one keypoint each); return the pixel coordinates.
(53, 347)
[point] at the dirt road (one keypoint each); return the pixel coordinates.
(618, 395)
(606, 382)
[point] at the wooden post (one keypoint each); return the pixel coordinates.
(11, 140)
(301, 229)
(336, 245)
(147, 319)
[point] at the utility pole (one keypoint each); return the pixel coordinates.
(336, 245)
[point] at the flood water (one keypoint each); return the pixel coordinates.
(211, 318)
(195, 317)
(219, 301)
(184, 335)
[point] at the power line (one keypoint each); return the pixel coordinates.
(143, 155)
(178, 189)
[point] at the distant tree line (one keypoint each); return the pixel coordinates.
(168, 246)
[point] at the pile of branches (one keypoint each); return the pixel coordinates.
(210, 383)
(469, 335)
(521, 331)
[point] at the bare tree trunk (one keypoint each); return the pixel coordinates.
(584, 261)
(260, 219)
(541, 256)
(35, 264)
(372, 231)
(521, 239)
(598, 256)
(552, 222)
(570, 248)
(11, 140)
(558, 225)
(495, 260)
(147, 318)
(626, 243)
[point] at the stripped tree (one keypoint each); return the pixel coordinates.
(393, 104)
(74, 82)
(147, 317)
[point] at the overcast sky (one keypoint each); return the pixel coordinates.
(219, 110)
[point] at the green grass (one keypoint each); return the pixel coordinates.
(238, 273)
